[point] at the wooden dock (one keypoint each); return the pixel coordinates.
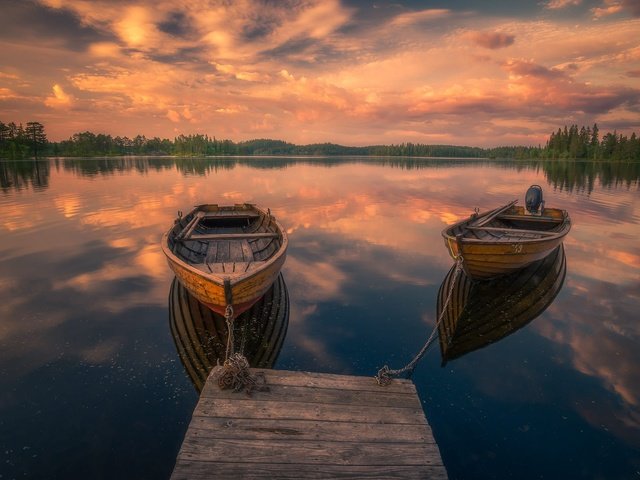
(310, 425)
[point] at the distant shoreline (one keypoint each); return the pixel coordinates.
(311, 157)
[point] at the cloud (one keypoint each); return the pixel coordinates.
(531, 69)
(422, 16)
(611, 7)
(599, 12)
(173, 116)
(492, 40)
(558, 4)
(59, 99)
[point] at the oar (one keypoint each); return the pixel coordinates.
(491, 215)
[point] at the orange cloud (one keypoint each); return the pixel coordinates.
(558, 4)
(59, 99)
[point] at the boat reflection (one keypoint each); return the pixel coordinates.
(481, 313)
(200, 335)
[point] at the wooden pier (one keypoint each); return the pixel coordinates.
(310, 425)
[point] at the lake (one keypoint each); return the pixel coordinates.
(93, 386)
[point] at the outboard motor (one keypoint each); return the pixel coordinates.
(533, 200)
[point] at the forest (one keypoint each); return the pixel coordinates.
(18, 142)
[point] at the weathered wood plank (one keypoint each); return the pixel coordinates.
(198, 470)
(308, 411)
(335, 396)
(264, 429)
(212, 253)
(328, 380)
(222, 214)
(232, 236)
(235, 251)
(293, 451)
(223, 252)
(247, 253)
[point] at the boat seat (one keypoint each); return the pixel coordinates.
(542, 233)
(232, 236)
(531, 218)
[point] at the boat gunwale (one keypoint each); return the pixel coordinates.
(563, 229)
(233, 277)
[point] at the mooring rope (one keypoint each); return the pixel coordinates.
(228, 317)
(235, 372)
(385, 374)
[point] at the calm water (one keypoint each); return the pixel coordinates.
(91, 384)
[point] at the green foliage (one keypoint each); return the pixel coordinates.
(571, 142)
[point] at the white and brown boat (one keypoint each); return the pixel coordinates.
(507, 239)
(226, 255)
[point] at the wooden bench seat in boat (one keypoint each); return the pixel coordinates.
(231, 236)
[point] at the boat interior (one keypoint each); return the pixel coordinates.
(513, 224)
(225, 240)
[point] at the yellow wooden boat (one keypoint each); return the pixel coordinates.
(507, 239)
(226, 255)
(201, 335)
(477, 314)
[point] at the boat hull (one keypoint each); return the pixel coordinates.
(507, 243)
(211, 292)
(226, 255)
(489, 260)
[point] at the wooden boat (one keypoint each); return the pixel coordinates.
(200, 335)
(226, 255)
(504, 240)
(481, 313)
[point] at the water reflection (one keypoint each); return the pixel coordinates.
(562, 175)
(19, 175)
(478, 314)
(84, 282)
(200, 335)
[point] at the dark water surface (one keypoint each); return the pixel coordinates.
(91, 383)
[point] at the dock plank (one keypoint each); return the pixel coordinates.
(258, 471)
(310, 425)
(262, 428)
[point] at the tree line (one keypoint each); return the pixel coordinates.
(18, 141)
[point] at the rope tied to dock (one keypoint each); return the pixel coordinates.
(235, 372)
(385, 374)
(235, 375)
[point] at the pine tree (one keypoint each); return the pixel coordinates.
(36, 136)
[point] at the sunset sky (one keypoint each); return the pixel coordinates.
(352, 72)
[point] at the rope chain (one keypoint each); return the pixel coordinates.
(385, 374)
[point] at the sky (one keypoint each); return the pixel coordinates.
(352, 72)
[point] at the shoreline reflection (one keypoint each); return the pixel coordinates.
(563, 175)
(481, 313)
(200, 335)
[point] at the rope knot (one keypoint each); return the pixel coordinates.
(235, 375)
(384, 376)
